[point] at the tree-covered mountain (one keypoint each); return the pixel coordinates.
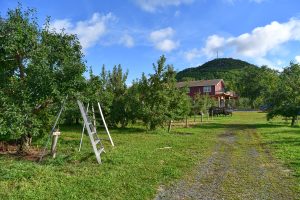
(228, 69)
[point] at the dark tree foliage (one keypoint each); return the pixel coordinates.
(117, 87)
(160, 100)
(285, 99)
(257, 84)
(38, 68)
(110, 90)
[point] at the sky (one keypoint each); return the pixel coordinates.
(135, 33)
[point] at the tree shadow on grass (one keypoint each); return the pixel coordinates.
(236, 126)
(290, 137)
(290, 130)
(69, 143)
(181, 133)
(130, 130)
(284, 141)
(295, 164)
(87, 157)
(101, 130)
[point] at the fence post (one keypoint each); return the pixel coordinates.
(170, 126)
(54, 142)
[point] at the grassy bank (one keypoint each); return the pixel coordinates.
(134, 169)
(139, 164)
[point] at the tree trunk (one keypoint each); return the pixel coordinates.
(21, 67)
(152, 126)
(24, 144)
(293, 120)
(170, 126)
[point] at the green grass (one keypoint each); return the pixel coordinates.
(134, 169)
(138, 165)
(278, 137)
(284, 142)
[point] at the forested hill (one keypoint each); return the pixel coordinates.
(223, 68)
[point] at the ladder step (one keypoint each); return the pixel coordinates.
(89, 123)
(101, 150)
(97, 141)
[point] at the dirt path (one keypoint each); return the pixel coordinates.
(238, 168)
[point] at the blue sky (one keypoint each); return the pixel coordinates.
(134, 33)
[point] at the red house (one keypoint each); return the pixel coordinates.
(214, 88)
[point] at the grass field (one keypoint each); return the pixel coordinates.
(139, 164)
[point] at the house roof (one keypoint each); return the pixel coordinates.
(199, 83)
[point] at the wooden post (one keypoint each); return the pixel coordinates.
(212, 114)
(54, 142)
(170, 126)
(202, 117)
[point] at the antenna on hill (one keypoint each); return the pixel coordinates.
(217, 54)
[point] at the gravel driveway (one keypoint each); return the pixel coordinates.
(238, 168)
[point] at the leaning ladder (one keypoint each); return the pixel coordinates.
(95, 140)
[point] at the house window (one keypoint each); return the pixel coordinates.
(206, 89)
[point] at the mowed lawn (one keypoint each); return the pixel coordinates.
(139, 164)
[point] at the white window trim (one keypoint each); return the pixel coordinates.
(206, 89)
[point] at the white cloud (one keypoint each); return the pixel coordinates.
(162, 39)
(162, 34)
(213, 44)
(258, 43)
(279, 62)
(264, 61)
(192, 54)
(89, 31)
(127, 40)
(297, 58)
(274, 64)
(61, 24)
(166, 45)
(153, 5)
